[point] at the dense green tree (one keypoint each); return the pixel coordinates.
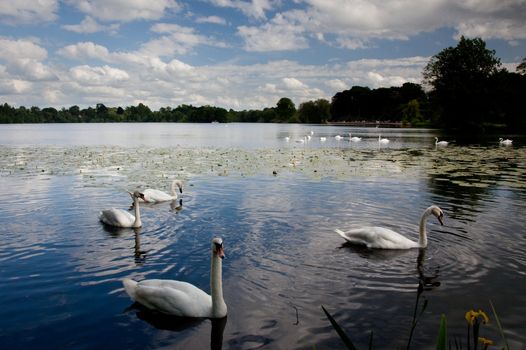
(506, 100)
(411, 115)
(521, 68)
(351, 104)
(459, 78)
(49, 115)
(285, 109)
(314, 112)
(88, 115)
(102, 112)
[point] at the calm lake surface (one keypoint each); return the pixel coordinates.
(276, 204)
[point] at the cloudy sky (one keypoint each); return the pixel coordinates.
(240, 54)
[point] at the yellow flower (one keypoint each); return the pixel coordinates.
(485, 341)
(484, 316)
(472, 315)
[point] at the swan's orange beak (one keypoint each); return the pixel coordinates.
(220, 252)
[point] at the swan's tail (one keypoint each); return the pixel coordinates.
(340, 232)
(130, 286)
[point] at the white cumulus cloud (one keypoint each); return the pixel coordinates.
(251, 8)
(125, 10)
(98, 75)
(90, 25)
(28, 11)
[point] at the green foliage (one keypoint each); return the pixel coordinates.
(285, 109)
(521, 68)
(341, 333)
(314, 112)
(442, 334)
(460, 78)
(384, 104)
(499, 324)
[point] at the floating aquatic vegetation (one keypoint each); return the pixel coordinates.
(464, 166)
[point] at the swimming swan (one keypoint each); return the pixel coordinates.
(181, 298)
(154, 196)
(384, 238)
(381, 140)
(354, 138)
(122, 218)
(506, 142)
(440, 143)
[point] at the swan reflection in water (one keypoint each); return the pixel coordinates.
(428, 281)
(178, 324)
(138, 254)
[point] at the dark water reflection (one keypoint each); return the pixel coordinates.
(61, 270)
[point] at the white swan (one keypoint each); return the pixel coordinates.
(181, 298)
(381, 140)
(287, 139)
(338, 137)
(122, 218)
(354, 138)
(384, 238)
(440, 143)
(506, 142)
(323, 139)
(155, 196)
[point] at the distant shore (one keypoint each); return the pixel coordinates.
(368, 123)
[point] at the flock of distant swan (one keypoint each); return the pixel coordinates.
(381, 140)
(184, 299)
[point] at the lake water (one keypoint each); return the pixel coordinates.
(276, 205)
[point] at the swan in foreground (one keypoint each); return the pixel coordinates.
(354, 138)
(154, 196)
(122, 218)
(384, 238)
(506, 142)
(181, 298)
(440, 143)
(381, 140)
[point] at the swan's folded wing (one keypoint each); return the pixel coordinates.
(116, 217)
(153, 195)
(174, 298)
(378, 237)
(361, 236)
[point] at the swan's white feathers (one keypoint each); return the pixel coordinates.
(384, 238)
(181, 298)
(117, 217)
(377, 237)
(172, 297)
(153, 195)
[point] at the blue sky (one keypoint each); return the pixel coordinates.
(239, 54)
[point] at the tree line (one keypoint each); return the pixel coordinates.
(467, 90)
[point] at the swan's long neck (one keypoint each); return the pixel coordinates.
(137, 222)
(422, 241)
(216, 287)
